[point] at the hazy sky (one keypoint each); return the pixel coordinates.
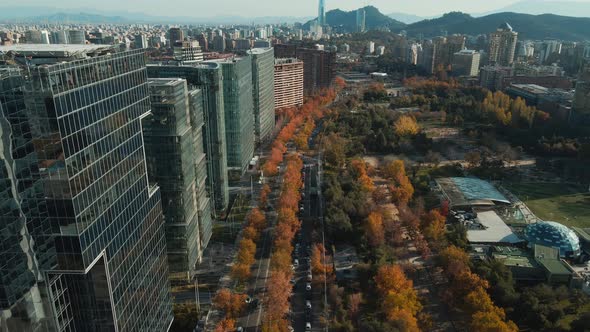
(252, 8)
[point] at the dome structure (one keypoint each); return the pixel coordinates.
(555, 235)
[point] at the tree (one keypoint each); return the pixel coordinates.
(334, 147)
(226, 325)
(406, 126)
(186, 317)
(473, 158)
(397, 293)
(374, 229)
(230, 303)
(395, 169)
(264, 192)
(403, 192)
(257, 219)
(433, 225)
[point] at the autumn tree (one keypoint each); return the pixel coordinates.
(406, 125)
(264, 192)
(402, 191)
(394, 169)
(399, 301)
(226, 325)
(231, 304)
(374, 229)
(432, 225)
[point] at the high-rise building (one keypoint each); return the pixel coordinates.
(322, 13)
(207, 77)
(141, 41)
(548, 48)
(37, 37)
(175, 34)
(262, 43)
(492, 77)
(239, 113)
(176, 162)
(96, 225)
(219, 44)
(581, 103)
(59, 37)
(503, 45)
(76, 37)
(187, 51)
(360, 20)
(24, 223)
(465, 63)
(263, 66)
(318, 66)
(370, 47)
(288, 83)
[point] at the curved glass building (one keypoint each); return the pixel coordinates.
(555, 235)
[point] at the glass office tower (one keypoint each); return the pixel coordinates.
(101, 243)
(22, 304)
(176, 161)
(263, 70)
(208, 78)
(239, 113)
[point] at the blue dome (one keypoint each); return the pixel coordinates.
(555, 235)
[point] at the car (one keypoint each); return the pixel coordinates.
(296, 262)
(308, 326)
(240, 329)
(309, 277)
(308, 286)
(291, 329)
(248, 299)
(308, 304)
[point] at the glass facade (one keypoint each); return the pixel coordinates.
(100, 242)
(239, 114)
(263, 71)
(22, 307)
(174, 157)
(207, 77)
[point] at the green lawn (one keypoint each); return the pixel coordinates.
(567, 204)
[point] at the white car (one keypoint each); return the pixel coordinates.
(296, 262)
(308, 286)
(309, 277)
(308, 304)
(308, 326)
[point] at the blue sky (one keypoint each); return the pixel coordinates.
(209, 8)
(257, 8)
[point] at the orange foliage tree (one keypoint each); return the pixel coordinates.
(399, 300)
(374, 229)
(406, 125)
(231, 303)
(360, 170)
(226, 325)
(432, 225)
(264, 192)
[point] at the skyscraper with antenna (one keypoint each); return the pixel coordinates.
(322, 13)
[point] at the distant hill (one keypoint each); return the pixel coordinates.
(373, 19)
(37, 14)
(536, 7)
(528, 26)
(406, 18)
(78, 18)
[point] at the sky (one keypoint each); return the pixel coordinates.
(258, 8)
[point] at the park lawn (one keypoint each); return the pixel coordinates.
(568, 204)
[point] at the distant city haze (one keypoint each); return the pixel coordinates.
(259, 8)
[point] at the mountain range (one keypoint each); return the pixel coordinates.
(528, 26)
(532, 7)
(373, 19)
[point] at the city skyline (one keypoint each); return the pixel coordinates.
(282, 8)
